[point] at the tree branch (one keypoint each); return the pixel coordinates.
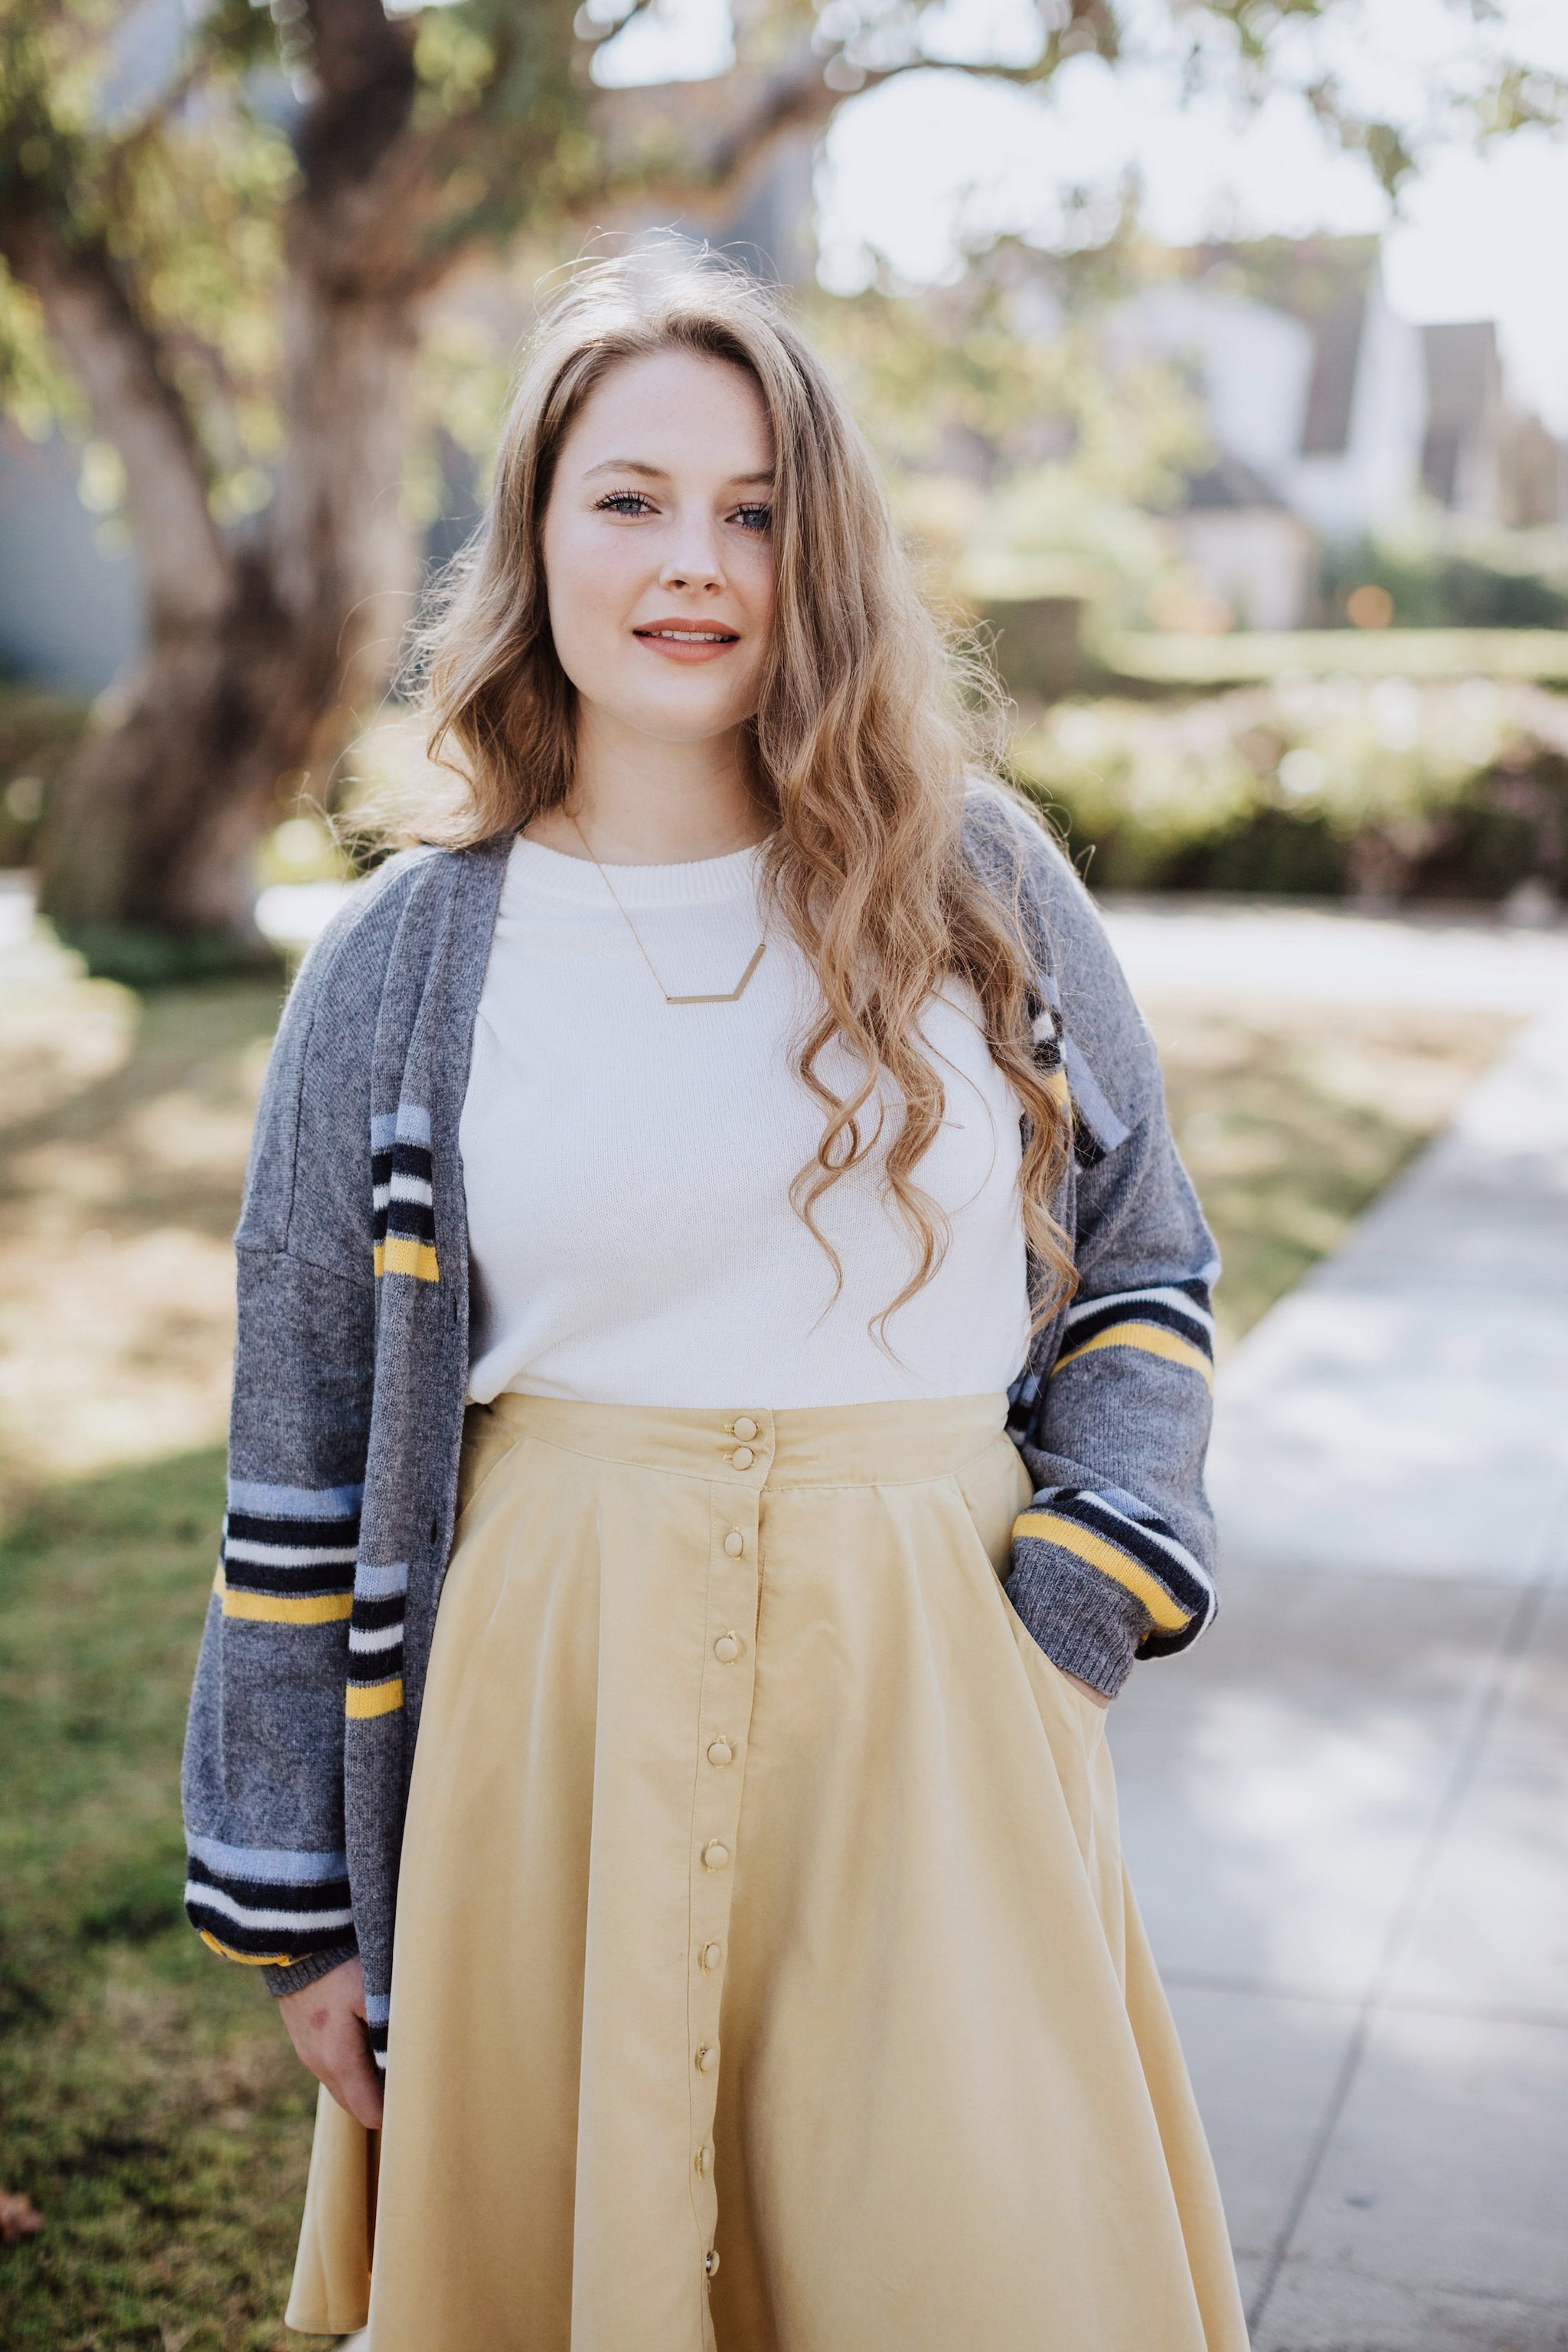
(720, 130)
(117, 360)
(699, 138)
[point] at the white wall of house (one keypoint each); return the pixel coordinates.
(1376, 477)
(1253, 364)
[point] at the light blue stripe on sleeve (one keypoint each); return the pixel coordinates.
(1087, 1094)
(260, 1502)
(268, 1864)
(381, 1584)
(407, 1124)
(377, 2007)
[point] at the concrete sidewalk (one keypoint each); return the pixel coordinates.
(1347, 1813)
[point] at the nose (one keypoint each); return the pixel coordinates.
(691, 561)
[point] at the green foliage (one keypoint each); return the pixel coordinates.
(190, 200)
(186, 204)
(1383, 788)
(153, 2110)
(1004, 368)
(36, 391)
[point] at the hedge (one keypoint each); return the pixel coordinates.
(1381, 789)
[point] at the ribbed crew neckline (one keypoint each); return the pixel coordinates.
(537, 872)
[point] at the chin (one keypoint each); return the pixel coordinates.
(682, 721)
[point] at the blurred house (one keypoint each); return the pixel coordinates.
(1248, 546)
(1329, 414)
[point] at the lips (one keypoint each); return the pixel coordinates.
(687, 632)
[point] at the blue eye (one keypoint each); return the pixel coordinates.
(757, 519)
(623, 502)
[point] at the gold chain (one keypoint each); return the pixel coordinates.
(730, 996)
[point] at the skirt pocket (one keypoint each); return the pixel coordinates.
(993, 1489)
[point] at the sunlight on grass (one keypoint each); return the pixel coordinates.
(152, 2105)
(124, 1127)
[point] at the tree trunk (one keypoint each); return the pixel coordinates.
(261, 645)
(156, 824)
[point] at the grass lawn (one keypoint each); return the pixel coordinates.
(148, 2105)
(1292, 1117)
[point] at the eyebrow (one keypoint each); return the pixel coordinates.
(660, 474)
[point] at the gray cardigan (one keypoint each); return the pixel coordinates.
(352, 1371)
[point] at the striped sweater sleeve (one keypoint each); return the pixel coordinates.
(1113, 1557)
(268, 1873)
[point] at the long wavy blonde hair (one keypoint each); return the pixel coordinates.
(864, 734)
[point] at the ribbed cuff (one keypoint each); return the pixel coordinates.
(1085, 1622)
(307, 1971)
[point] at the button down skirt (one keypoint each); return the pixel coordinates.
(766, 1979)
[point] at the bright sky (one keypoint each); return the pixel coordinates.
(935, 159)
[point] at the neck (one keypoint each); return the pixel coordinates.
(641, 802)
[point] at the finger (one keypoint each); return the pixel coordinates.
(355, 2083)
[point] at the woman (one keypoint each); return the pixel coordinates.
(723, 1360)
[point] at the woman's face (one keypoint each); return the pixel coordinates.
(657, 547)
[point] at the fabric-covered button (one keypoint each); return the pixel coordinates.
(720, 1751)
(704, 2158)
(745, 1426)
(715, 1855)
(726, 1649)
(711, 1955)
(707, 2058)
(712, 2264)
(744, 1457)
(734, 1543)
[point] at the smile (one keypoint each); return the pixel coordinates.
(691, 636)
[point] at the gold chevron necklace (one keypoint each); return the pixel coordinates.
(729, 996)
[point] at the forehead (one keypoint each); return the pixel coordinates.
(680, 411)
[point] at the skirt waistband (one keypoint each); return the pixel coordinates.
(805, 1445)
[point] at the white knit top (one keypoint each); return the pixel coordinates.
(627, 1165)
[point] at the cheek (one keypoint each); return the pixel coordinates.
(753, 582)
(760, 583)
(585, 584)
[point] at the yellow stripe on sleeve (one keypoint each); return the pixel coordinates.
(1153, 1337)
(1167, 1615)
(278, 1609)
(363, 1701)
(246, 1960)
(401, 1254)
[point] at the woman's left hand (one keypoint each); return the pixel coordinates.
(1088, 1689)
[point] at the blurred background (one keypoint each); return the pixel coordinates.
(1217, 352)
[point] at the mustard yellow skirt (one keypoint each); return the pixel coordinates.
(767, 1979)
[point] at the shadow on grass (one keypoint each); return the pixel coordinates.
(149, 2104)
